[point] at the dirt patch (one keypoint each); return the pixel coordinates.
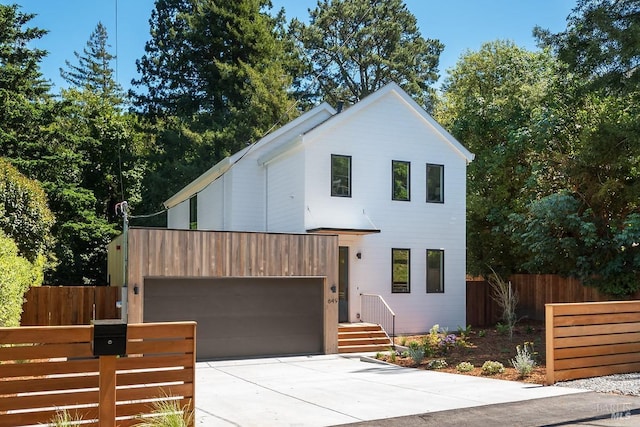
(482, 344)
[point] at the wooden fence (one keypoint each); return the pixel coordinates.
(69, 305)
(534, 291)
(44, 370)
(592, 339)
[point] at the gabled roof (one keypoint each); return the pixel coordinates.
(292, 134)
(398, 91)
(310, 119)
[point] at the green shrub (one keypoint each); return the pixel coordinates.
(403, 341)
(24, 214)
(523, 362)
(416, 352)
(464, 367)
(437, 364)
(18, 274)
(482, 333)
(492, 367)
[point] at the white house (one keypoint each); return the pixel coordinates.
(383, 175)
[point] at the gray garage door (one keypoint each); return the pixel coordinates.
(242, 317)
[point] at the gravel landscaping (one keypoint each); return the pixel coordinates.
(627, 384)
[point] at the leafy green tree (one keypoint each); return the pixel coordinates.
(18, 274)
(24, 214)
(601, 43)
(109, 168)
(214, 78)
(495, 101)
(354, 47)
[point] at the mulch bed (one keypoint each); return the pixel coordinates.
(483, 344)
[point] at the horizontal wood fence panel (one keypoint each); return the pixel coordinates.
(596, 371)
(37, 378)
(596, 350)
(588, 339)
(595, 319)
(595, 340)
(69, 305)
(49, 383)
(599, 329)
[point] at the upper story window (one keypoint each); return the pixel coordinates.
(193, 212)
(400, 266)
(435, 183)
(340, 175)
(400, 172)
(435, 271)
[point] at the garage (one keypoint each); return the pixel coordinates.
(242, 317)
(252, 294)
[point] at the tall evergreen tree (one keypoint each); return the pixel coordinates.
(354, 47)
(109, 169)
(213, 79)
(24, 98)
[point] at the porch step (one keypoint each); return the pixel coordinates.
(362, 337)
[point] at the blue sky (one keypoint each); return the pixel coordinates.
(460, 24)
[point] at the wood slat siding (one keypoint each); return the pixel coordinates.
(188, 253)
(534, 291)
(44, 369)
(592, 339)
(69, 305)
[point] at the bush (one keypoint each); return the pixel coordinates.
(437, 364)
(523, 362)
(464, 367)
(24, 214)
(416, 352)
(18, 274)
(492, 367)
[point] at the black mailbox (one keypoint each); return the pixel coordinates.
(109, 337)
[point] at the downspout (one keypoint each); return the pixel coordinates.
(266, 198)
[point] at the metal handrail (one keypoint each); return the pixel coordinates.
(376, 310)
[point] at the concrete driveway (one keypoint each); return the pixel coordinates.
(338, 389)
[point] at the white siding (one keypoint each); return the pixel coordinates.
(211, 206)
(285, 194)
(389, 130)
(245, 196)
(178, 216)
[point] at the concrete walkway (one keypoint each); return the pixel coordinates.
(338, 389)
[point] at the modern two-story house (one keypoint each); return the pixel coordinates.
(383, 175)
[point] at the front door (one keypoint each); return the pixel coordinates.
(343, 284)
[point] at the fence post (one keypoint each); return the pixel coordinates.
(107, 382)
(549, 335)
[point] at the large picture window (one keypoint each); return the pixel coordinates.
(401, 180)
(340, 175)
(435, 183)
(435, 271)
(400, 266)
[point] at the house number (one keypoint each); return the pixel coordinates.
(332, 301)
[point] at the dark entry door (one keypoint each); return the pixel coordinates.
(343, 284)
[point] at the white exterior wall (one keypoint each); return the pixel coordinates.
(178, 216)
(244, 196)
(211, 206)
(285, 193)
(390, 130)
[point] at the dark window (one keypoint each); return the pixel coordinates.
(193, 212)
(400, 262)
(435, 183)
(340, 175)
(435, 271)
(401, 172)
